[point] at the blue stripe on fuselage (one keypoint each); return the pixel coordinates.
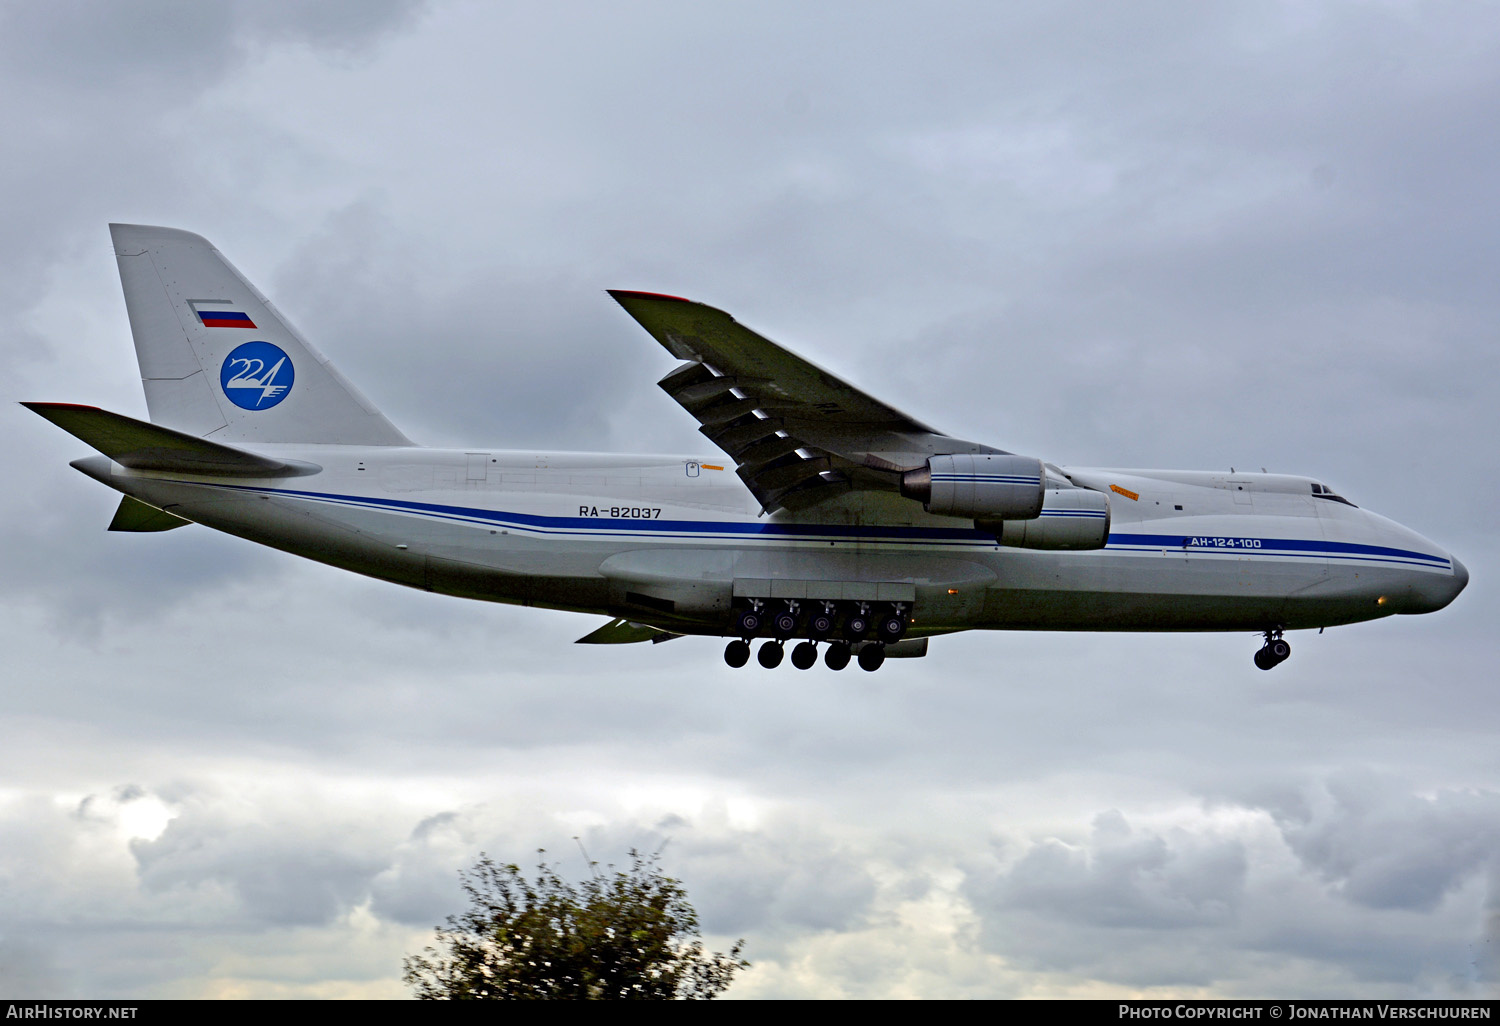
(947, 536)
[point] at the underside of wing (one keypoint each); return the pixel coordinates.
(798, 433)
(135, 515)
(626, 632)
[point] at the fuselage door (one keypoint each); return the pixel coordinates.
(479, 467)
(1239, 487)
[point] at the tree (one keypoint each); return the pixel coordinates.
(616, 935)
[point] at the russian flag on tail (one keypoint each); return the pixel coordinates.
(216, 315)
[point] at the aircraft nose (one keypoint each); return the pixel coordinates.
(1433, 591)
(1460, 577)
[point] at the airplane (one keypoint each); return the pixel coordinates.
(826, 517)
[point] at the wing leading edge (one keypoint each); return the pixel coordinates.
(798, 433)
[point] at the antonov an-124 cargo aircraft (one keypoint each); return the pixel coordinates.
(827, 518)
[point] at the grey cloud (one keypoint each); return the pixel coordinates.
(1151, 235)
(774, 881)
(782, 877)
(421, 885)
(276, 879)
(177, 44)
(1124, 878)
(521, 354)
(28, 969)
(1384, 847)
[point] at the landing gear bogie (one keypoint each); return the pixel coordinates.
(750, 621)
(785, 623)
(891, 626)
(821, 623)
(857, 623)
(848, 628)
(1274, 652)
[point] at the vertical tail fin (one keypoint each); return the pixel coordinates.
(216, 358)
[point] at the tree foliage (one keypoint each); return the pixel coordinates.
(618, 934)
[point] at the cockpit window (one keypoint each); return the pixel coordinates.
(1322, 491)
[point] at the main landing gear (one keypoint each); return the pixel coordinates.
(844, 627)
(1274, 652)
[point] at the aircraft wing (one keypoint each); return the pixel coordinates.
(798, 433)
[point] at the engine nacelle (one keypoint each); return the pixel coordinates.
(978, 486)
(1071, 518)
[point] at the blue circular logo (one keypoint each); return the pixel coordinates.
(256, 376)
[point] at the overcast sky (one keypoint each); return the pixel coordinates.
(1174, 235)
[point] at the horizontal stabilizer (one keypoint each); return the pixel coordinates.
(142, 446)
(625, 632)
(135, 515)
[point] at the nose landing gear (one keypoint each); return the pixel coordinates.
(1274, 652)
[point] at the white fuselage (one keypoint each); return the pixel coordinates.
(675, 541)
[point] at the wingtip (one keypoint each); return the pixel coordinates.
(36, 407)
(620, 295)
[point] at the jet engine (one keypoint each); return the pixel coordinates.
(979, 486)
(1071, 518)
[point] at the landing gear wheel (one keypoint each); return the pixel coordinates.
(891, 628)
(749, 622)
(836, 657)
(770, 654)
(1279, 650)
(819, 626)
(785, 624)
(857, 626)
(871, 656)
(804, 655)
(737, 653)
(1263, 659)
